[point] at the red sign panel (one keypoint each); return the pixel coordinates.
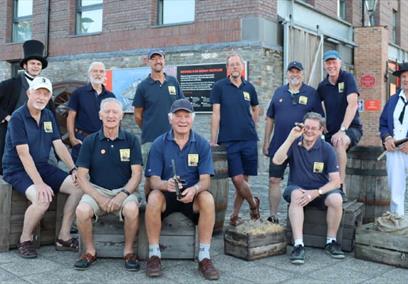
(367, 81)
(372, 105)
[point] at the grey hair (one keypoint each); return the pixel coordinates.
(170, 115)
(93, 65)
(111, 100)
(315, 116)
(234, 54)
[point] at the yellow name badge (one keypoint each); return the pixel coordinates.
(172, 90)
(303, 100)
(247, 97)
(124, 155)
(318, 167)
(48, 126)
(341, 87)
(193, 160)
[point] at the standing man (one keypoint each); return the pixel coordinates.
(393, 127)
(83, 115)
(235, 112)
(191, 155)
(289, 105)
(313, 180)
(32, 131)
(13, 92)
(339, 94)
(112, 159)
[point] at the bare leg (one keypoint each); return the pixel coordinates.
(84, 214)
(131, 216)
(296, 216)
(274, 195)
(155, 206)
(204, 205)
(334, 213)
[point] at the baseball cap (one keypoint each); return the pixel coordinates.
(331, 54)
(41, 83)
(155, 51)
(295, 64)
(181, 104)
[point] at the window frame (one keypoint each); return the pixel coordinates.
(160, 13)
(394, 26)
(342, 13)
(79, 9)
(17, 20)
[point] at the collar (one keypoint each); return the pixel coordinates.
(402, 95)
(243, 81)
(170, 136)
(27, 113)
(28, 76)
(101, 135)
(91, 89)
(301, 89)
(152, 81)
(315, 146)
(339, 79)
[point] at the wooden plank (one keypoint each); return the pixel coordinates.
(247, 253)
(177, 247)
(5, 212)
(396, 258)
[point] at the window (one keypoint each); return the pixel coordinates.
(394, 25)
(89, 16)
(341, 9)
(22, 18)
(176, 11)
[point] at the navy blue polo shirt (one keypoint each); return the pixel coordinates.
(156, 99)
(86, 102)
(236, 123)
(334, 98)
(192, 161)
(286, 109)
(310, 169)
(23, 129)
(109, 161)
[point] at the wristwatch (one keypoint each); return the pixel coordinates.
(343, 128)
(125, 192)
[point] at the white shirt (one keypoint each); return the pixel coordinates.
(400, 130)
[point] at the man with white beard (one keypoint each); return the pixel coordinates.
(289, 105)
(84, 105)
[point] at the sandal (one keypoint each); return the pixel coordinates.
(85, 261)
(235, 220)
(27, 250)
(70, 245)
(254, 212)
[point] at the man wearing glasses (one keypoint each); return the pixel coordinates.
(289, 104)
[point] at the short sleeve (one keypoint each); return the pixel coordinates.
(351, 86)
(17, 131)
(85, 154)
(55, 133)
(154, 165)
(216, 93)
(271, 109)
(254, 97)
(138, 100)
(73, 103)
(206, 163)
(332, 165)
(135, 153)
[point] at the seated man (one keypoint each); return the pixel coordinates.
(313, 179)
(32, 131)
(113, 160)
(191, 155)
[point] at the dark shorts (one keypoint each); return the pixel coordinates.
(51, 175)
(173, 205)
(242, 158)
(317, 202)
(353, 133)
(277, 171)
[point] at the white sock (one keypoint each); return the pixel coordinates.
(299, 242)
(204, 251)
(154, 250)
(330, 239)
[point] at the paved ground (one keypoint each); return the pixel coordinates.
(56, 267)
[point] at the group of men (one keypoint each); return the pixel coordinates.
(105, 163)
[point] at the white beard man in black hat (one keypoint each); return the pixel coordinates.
(13, 92)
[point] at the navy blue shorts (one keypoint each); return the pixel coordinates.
(317, 202)
(277, 171)
(242, 158)
(51, 175)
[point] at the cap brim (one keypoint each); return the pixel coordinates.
(158, 53)
(181, 108)
(295, 67)
(331, 57)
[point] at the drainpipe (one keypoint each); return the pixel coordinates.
(47, 27)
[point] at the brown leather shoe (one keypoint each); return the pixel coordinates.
(254, 212)
(153, 266)
(207, 269)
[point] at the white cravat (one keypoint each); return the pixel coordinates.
(400, 130)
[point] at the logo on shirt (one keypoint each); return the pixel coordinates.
(172, 90)
(48, 126)
(124, 155)
(303, 100)
(341, 87)
(193, 160)
(247, 97)
(318, 167)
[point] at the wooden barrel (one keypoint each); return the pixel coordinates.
(219, 186)
(366, 181)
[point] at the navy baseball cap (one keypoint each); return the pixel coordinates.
(155, 51)
(331, 54)
(295, 64)
(181, 104)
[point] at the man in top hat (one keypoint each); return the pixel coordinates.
(152, 101)
(13, 91)
(289, 105)
(339, 93)
(394, 127)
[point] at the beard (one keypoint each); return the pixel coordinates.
(294, 81)
(97, 81)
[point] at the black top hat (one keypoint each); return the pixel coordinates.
(403, 67)
(34, 49)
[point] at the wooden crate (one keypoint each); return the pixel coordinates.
(255, 241)
(381, 247)
(12, 209)
(315, 227)
(178, 237)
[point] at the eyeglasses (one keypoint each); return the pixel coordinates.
(314, 129)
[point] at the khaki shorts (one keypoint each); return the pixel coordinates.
(108, 193)
(145, 151)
